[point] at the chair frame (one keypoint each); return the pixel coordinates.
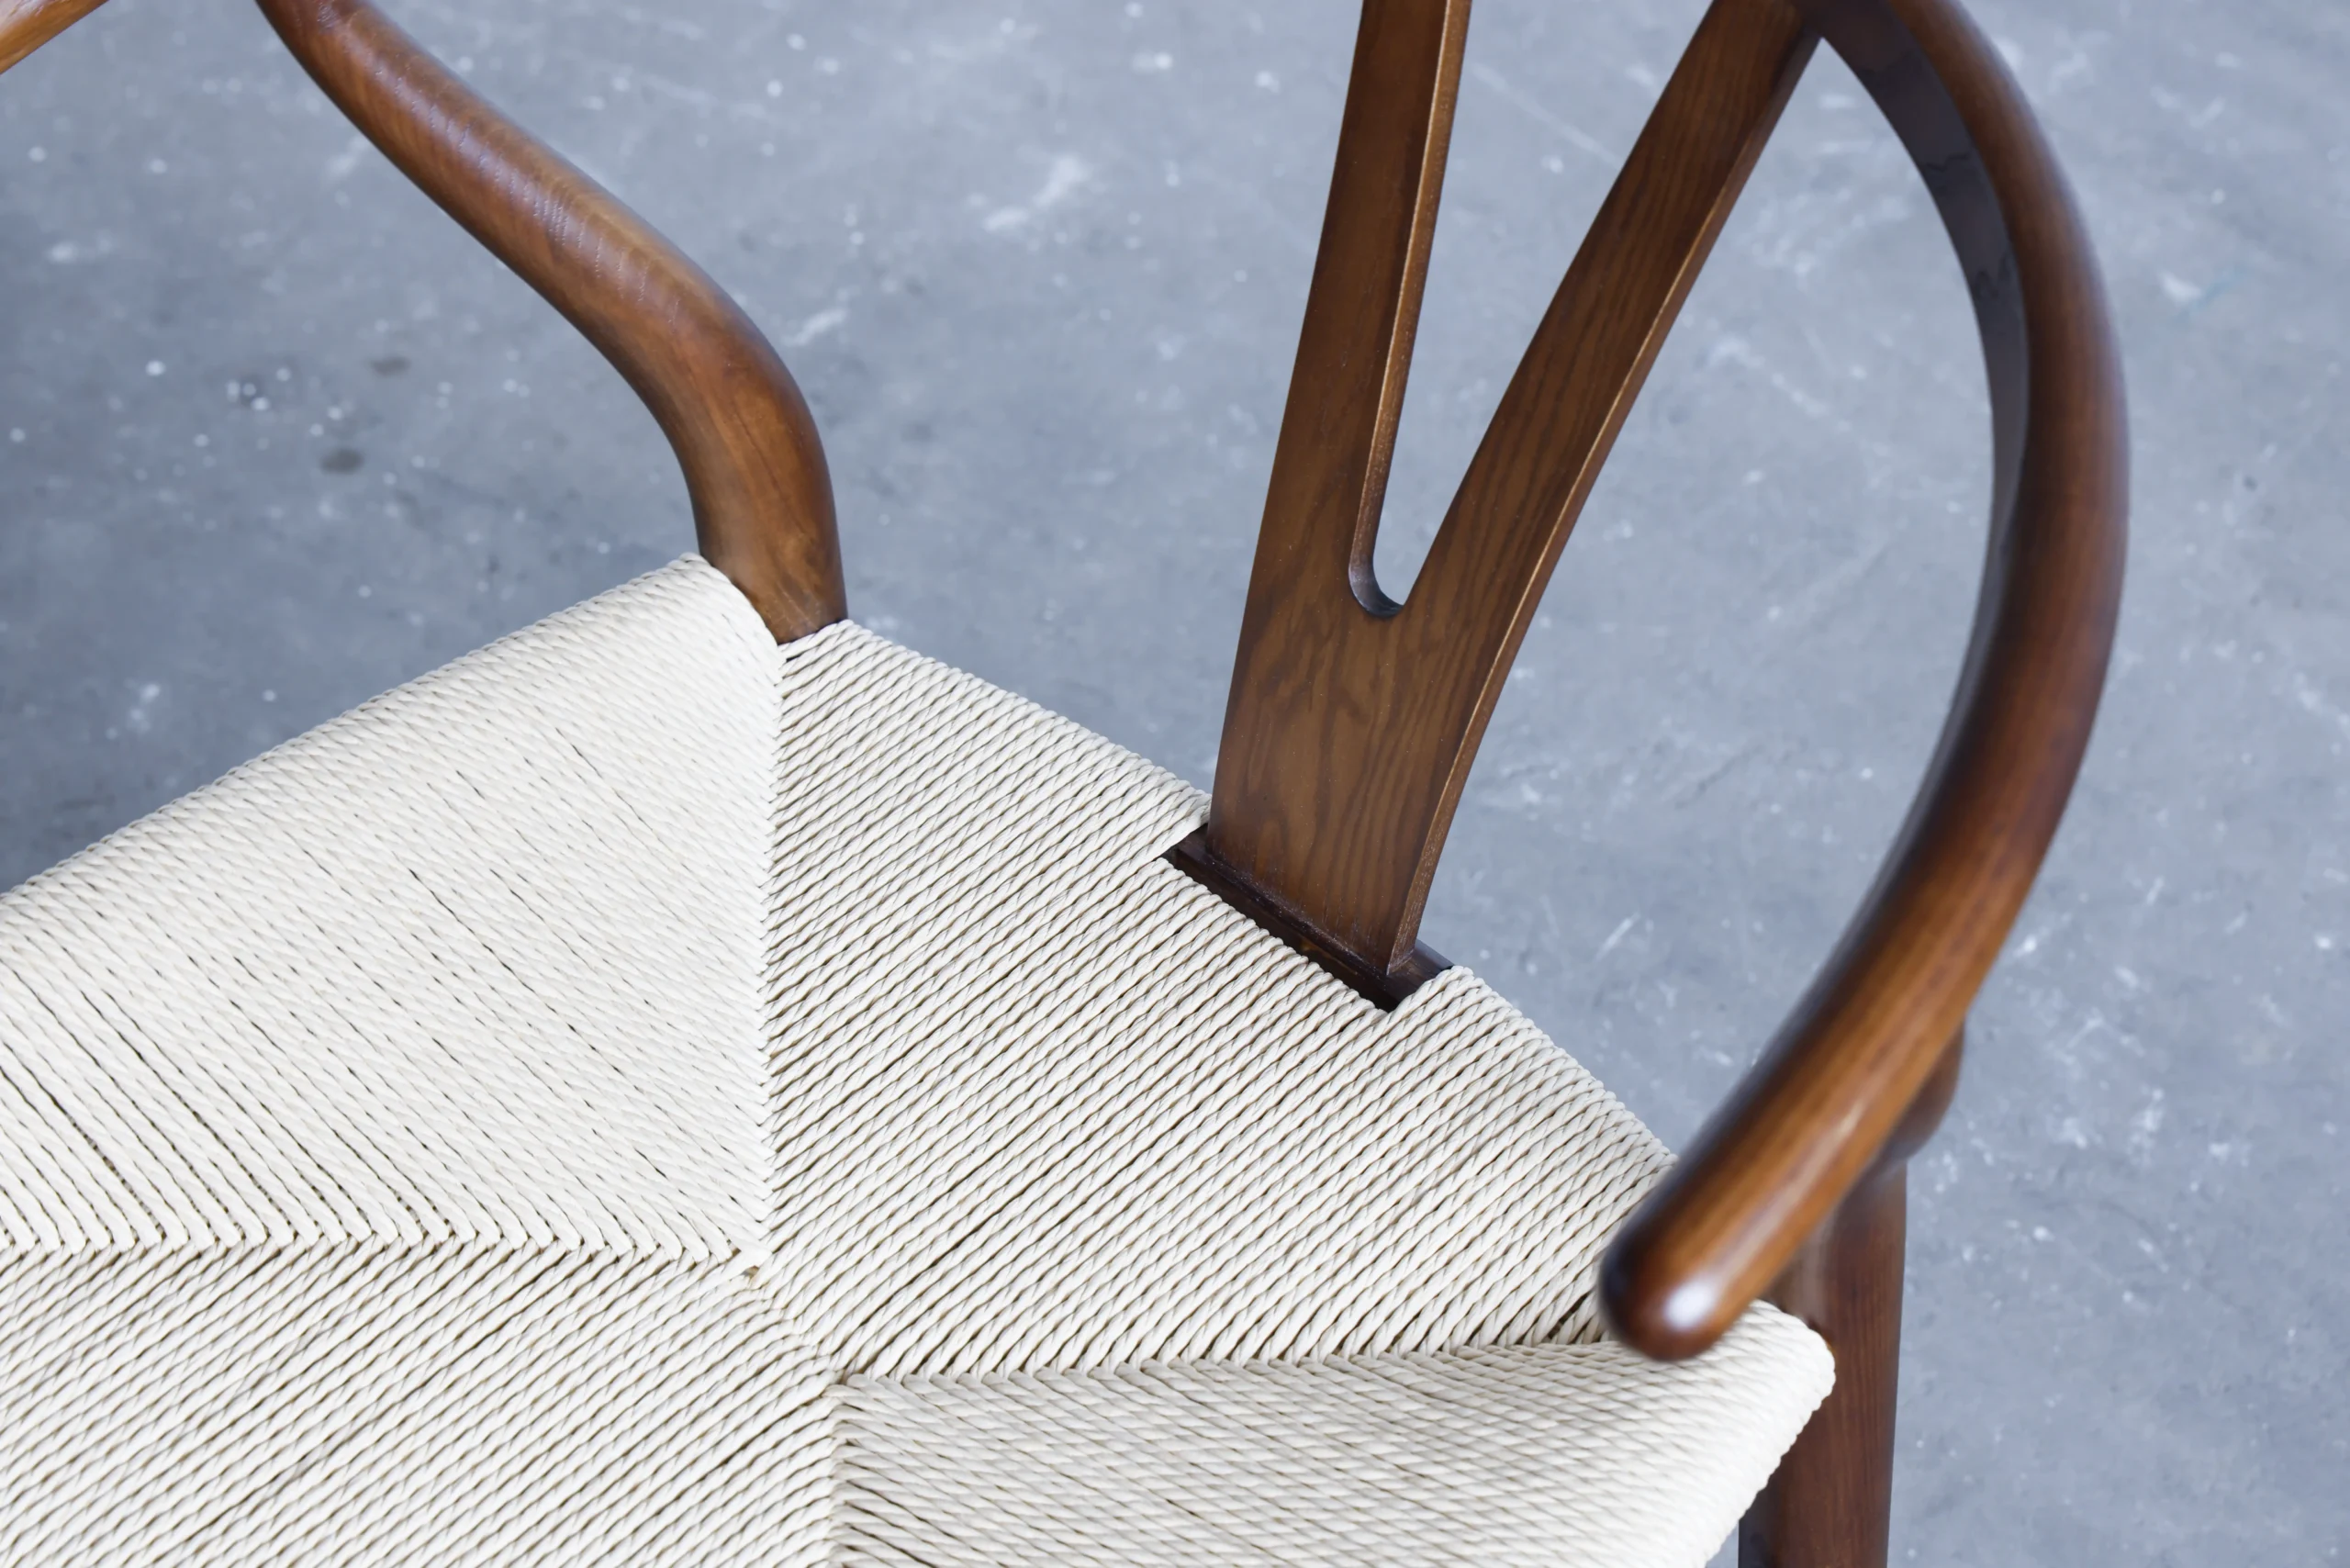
(1354, 719)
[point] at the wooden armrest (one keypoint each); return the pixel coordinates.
(1829, 1098)
(26, 25)
(754, 466)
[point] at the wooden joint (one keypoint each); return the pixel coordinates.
(1383, 989)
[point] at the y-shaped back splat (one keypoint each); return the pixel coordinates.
(1353, 720)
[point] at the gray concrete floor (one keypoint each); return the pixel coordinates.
(275, 436)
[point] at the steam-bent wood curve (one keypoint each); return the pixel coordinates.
(26, 25)
(753, 467)
(1353, 720)
(1839, 1078)
(1336, 729)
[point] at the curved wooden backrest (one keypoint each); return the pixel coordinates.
(753, 467)
(1875, 1036)
(1353, 720)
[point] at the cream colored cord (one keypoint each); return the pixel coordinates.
(640, 1094)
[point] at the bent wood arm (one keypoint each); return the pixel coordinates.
(26, 25)
(1829, 1096)
(753, 467)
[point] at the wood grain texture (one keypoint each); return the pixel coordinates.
(1352, 720)
(26, 25)
(1830, 1502)
(753, 467)
(1383, 989)
(1817, 1109)
(1829, 1505)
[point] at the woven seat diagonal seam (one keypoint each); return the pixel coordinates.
(137, 1207)
(571, 895)
(319, 1076)
(310, 1077)
(1061, 1089)
(122, 1111)
(56, 1211)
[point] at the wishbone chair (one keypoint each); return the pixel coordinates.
(695, 1083)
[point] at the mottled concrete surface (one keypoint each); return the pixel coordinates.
(276, 436)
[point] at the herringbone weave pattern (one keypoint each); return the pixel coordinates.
(639, 1094)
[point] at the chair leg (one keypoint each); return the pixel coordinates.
(1830, 1502)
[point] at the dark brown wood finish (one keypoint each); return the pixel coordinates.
(26, 25)
(1830, 1505)
(754, 465)
(1818, 1108)
(1383, 989)
(1352, 720)
(754, 469)
(1347, 396)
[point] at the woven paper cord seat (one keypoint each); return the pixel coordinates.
(573, 1109)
